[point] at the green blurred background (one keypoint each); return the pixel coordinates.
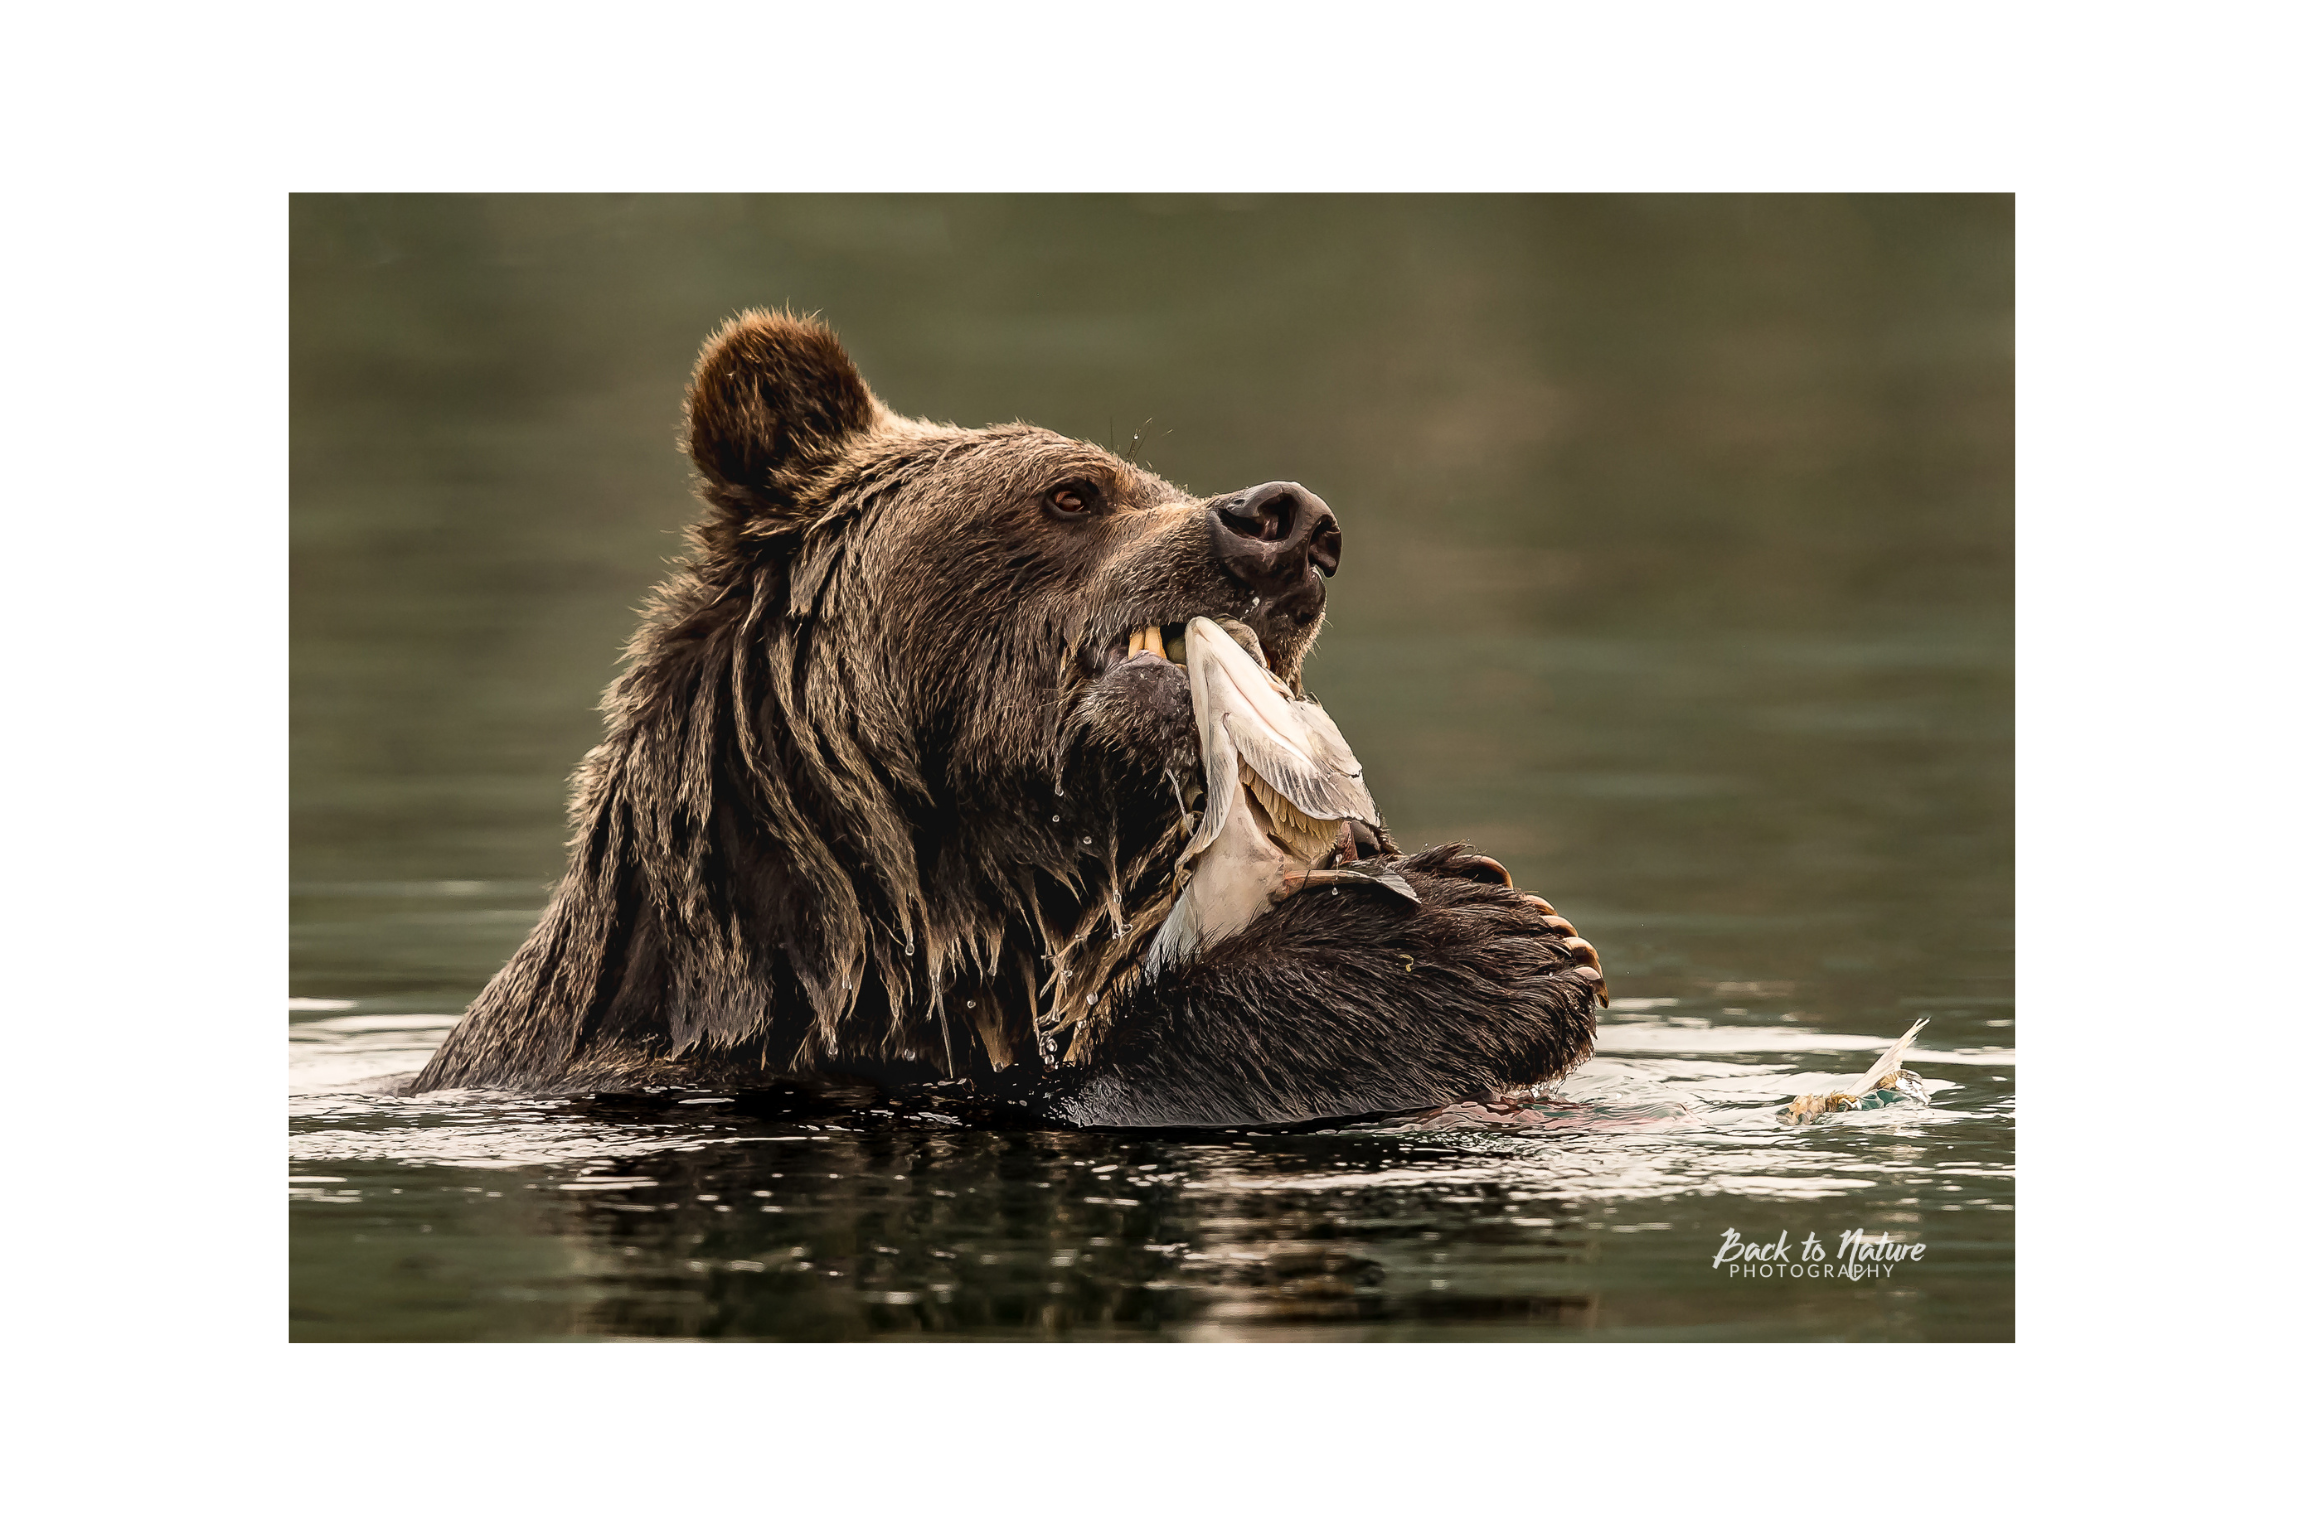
(1678, 566)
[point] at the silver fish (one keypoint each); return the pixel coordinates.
(1282, 784)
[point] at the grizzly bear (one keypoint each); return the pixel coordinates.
(899, 778)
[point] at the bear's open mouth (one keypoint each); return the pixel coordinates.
(1159, 639)
(1162, 642)
(1234, 653)
(1165, 642)
(1270, 765)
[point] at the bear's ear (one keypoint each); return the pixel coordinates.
(774, 396)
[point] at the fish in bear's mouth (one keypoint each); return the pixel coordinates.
(1285, 806)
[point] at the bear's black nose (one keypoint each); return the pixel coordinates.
(1282, 541)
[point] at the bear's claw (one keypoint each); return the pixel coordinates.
(1471, 867)
(1462, 863)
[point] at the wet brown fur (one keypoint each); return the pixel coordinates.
(871, 803)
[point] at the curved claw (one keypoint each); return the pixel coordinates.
(1501, 875)
(1587, 968)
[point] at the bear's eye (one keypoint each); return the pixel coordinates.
(1076, 498)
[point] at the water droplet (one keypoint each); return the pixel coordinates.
(1087, 842)
(1055, 818)
(907, 949)
(1091, 999)
(1059, 791)
(971, 1002)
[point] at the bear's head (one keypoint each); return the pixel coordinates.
(907, 733)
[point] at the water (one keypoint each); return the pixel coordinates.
(1677, 575)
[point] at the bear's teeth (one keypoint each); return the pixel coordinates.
(1145, 639)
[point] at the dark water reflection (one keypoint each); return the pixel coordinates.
(831, 1227)
(1677, 575)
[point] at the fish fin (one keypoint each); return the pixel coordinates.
(1883, 1073)
(1390, 879)
(1315, 789)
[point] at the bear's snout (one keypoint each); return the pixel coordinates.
(1282, 543)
